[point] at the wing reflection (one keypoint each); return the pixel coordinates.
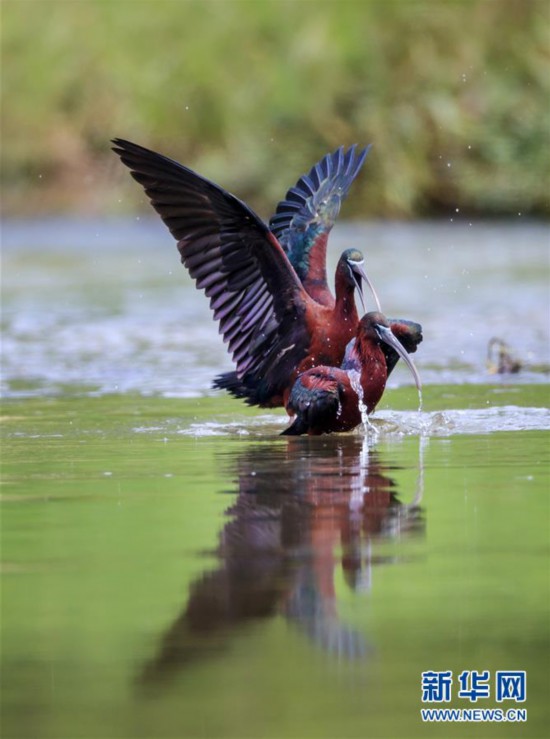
(305, 508)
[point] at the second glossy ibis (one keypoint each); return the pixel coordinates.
(328, 399)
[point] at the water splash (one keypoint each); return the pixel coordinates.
(355, 381)
(387, 424)
(467, 421)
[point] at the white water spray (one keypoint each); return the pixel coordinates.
(355, 381)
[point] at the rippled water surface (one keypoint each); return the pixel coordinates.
(172, 567)
(109, 308)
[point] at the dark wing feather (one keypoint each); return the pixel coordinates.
(305, 217)
(253, 290)
(315, 399)
(409, 334)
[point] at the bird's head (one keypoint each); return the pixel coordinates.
(352, 263)
(374, 326)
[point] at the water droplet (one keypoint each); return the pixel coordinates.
(355, 381)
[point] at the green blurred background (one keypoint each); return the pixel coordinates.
(455, 97)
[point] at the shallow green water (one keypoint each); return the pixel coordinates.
(173, 568)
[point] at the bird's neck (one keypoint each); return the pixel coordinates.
(344, 307)
(374, 373)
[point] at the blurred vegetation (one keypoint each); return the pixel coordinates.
(455, 97)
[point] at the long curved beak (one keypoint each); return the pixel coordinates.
(387, 337)
(358, 274)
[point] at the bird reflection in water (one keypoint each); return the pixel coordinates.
(304, 507)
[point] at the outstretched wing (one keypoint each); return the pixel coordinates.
(253, 289)
(304, 219)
